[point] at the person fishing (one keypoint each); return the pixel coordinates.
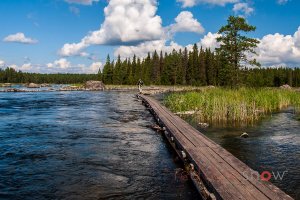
(140, 84)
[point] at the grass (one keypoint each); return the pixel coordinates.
(244, 105)
(77, 84)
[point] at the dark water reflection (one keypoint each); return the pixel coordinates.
(273, 145)
(83, 145)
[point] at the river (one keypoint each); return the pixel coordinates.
(83, 145)
(98, 145)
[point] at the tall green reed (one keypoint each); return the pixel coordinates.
(243, 105)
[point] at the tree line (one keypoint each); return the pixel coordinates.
(199, 67)
(10, 75)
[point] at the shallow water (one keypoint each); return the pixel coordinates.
(273, 145)
(84, 145)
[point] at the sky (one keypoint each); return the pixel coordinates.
(75, 36)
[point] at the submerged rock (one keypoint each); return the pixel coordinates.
(156, 127)
(203, 124)
(33, 85)
(14, 90)
(94, 85)
(46, 85)
(244, 135)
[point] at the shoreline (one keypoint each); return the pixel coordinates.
(148, 90)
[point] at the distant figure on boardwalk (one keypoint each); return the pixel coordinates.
(140, 84)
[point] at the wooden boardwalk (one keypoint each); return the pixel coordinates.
(216, 173)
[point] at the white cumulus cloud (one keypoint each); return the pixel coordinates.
(281, 2)
(297, 38)
(2, 63)
(126, 22)
(191, 3)
(243, 8)
(26, 67)
(273, 49)
(278, 49)
(210, 41)
(61, 63)
(73, 49)
(82, 2)
(93, 68)
(185, 22)
(20, 38)
(143, 49)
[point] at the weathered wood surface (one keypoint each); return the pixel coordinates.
(223, 174)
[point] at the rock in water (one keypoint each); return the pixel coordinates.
(203, 125)
(94, 85)
(45, 85)
(33, 85)
(286, 87)
(244, 135)
(14, 90)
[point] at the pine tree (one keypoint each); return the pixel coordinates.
(155, 72)
(107, 72)
(185, 61)
(234, 46)
(117, 76)
(195, 66)
(203, 64)
(161, 65)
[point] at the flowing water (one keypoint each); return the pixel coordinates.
(273, 145)
(84, 145)
(98, 145)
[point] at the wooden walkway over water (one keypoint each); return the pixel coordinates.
(216, 173)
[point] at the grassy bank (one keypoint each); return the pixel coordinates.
(244, 105)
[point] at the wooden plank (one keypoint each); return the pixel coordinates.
(216, 181)
(225, 174)
(184, 140)
(268, 189)
(242, 181)
(185, 126)
(178, 125)
(228, 171)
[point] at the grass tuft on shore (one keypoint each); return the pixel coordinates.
(243, 105)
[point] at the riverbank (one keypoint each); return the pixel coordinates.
(150, 90)
(243, 105)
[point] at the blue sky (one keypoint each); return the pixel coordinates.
(76, 35)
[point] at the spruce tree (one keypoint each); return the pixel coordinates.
(107, 75)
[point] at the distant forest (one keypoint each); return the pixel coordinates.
(199, 67)
(10, 75)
